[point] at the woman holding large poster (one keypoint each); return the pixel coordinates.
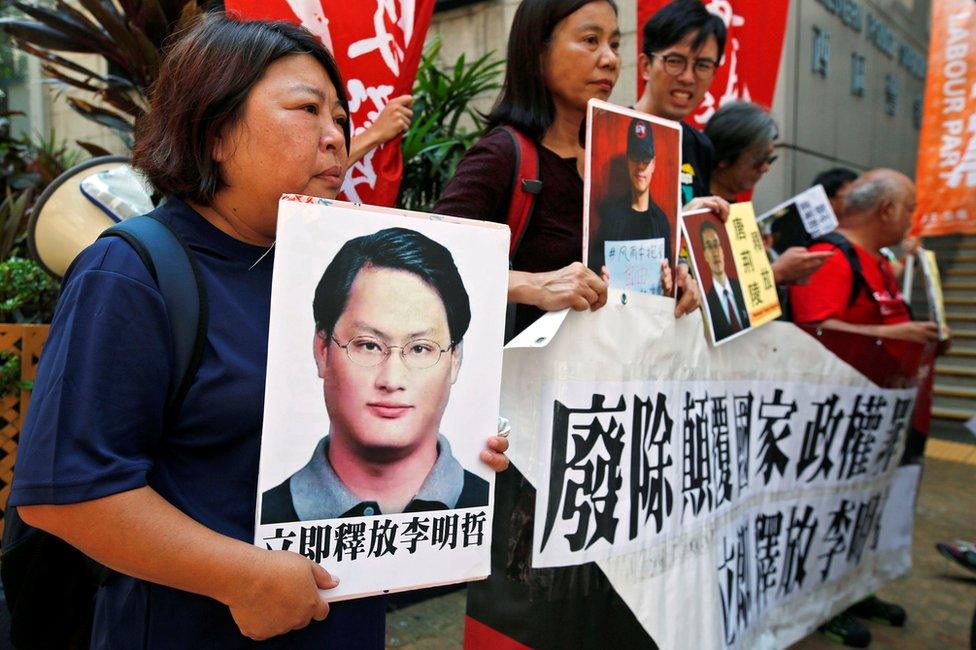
(575, 43)
(163, 495)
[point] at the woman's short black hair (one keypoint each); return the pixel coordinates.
(200, 92)
(674, 21)
(398, 249)
(525, 102)
(736, 127)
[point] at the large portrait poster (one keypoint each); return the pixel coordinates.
(384, 366)
(630, 196)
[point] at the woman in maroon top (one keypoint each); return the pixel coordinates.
(576, 44)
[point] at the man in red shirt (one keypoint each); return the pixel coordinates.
(877, 213)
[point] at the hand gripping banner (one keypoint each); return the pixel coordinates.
(377, 44)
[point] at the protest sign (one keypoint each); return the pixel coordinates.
(799, 220)
(630, 184)
(933, 289)
(635, 265)
(687, 496)
(733, 271)
(384, 359)
(377, 44)
(750, 62)
(945, 173)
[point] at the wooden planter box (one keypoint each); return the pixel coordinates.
(25, 341)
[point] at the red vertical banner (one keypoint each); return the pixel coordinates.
(946, 167)
(377, 44)
(752, 52)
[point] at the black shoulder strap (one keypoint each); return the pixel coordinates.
(172, 266)
(840, 242)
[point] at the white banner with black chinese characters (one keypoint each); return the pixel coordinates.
(734, 496)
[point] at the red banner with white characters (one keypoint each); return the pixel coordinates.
(752, 52)
(378, 44)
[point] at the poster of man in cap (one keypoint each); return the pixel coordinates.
(631, 189)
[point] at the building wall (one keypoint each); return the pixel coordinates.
(824, 124)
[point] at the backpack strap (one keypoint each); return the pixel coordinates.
(841, 243)
(526, 185)
(172, 266)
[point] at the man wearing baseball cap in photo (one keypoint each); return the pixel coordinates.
(633, 215)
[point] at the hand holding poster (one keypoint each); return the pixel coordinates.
(369, 454)
(630, 187)
(800, 220)
(733, 271)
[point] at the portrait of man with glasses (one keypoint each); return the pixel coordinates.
(390, 313)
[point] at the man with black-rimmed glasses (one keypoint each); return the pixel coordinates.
(683, 46)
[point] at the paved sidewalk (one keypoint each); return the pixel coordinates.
(939, 595)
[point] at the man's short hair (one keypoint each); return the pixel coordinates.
(674, 21)
(736, 127)
(398, 249)
(835, 178)
(708, 225)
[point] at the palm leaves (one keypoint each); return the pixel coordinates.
(444, 125)
(128, 34)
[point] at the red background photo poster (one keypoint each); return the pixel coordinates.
(377, 44)
(607, 175)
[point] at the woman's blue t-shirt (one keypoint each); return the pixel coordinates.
(95, 427)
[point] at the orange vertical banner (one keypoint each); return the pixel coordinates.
(946, 167)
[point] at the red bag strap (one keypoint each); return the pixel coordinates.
(526, 185)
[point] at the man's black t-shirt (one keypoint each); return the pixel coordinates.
(619, 221)
(697, 162)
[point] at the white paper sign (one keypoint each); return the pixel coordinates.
(384, 362)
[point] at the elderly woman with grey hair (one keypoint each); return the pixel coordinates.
(743, 135)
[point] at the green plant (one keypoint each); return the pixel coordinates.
(27, 166)
(27, 293)
(10, 374)
(128, 34)
(444, 123)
